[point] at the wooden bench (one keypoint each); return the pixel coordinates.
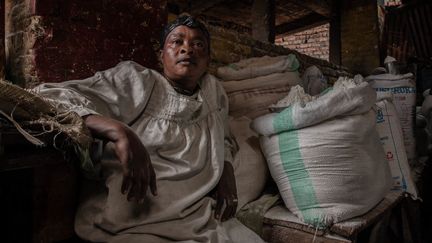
(281, 226)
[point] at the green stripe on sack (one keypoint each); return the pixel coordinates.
(294, 167)
(281, 124)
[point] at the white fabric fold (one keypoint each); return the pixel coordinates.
(187, 138)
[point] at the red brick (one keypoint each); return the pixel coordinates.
(316, 38)
(81, 37)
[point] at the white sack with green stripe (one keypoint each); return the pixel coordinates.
(325, 155)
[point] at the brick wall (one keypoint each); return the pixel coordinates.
(313, 42)
(359, 37)
(230, 46)
(54, 41)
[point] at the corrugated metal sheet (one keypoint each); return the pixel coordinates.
(408, 32)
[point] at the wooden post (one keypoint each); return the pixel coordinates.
(16, 58)
(263, 20)
(335, 34)
(360, 36)
(2, 39)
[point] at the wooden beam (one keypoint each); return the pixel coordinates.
(322, 7)
(197, 7)
(226, 24)
(309, 21)
(263, 20)
(335, 34)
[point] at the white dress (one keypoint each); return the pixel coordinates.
(188, 141)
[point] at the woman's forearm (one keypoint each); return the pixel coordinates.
(138, 172)
(105, 128)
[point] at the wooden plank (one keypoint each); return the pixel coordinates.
(198, 7)
(280, 225)
(281, 216)
(320, 7)
(280, 234)
(304, 23)
(263, 20)
(355, 225)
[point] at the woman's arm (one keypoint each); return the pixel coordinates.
(226, 193)
(138, 172)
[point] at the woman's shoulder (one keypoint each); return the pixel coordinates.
(214, 91)
(132, 66)
(212, 83)
(131, 71)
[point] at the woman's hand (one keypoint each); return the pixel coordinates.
(138, 172)
(226, 193)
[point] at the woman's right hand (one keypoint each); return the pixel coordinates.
(138, 172)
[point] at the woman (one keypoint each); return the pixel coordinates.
(169, 133)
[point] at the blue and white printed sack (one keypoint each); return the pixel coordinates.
(325, 155)
(403, 88)
(391, 137)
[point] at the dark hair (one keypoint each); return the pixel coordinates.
(188, 21)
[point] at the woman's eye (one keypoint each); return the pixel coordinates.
(177, 42)
(199, 44)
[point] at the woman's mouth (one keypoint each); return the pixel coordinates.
(186, 61)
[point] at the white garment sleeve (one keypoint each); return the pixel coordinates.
(121, 92)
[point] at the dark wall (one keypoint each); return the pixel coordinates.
(72, 39)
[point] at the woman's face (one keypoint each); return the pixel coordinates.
(185, 56)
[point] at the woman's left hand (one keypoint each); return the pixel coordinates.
(226, 193)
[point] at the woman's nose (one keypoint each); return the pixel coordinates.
(186, 48)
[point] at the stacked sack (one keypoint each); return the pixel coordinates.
(402, 87)
(324, 152)
(250, 168)
(255, 83)
(252, 85)
(391, 135)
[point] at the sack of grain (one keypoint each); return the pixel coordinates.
(258, 66)
(390, 132)
(251, 97)
(404, 98)
(325, 155)
(250, 168)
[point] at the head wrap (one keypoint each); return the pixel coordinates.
(188, 21)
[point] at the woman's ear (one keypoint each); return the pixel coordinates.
(160, 55)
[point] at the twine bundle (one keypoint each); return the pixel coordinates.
(41, 123)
